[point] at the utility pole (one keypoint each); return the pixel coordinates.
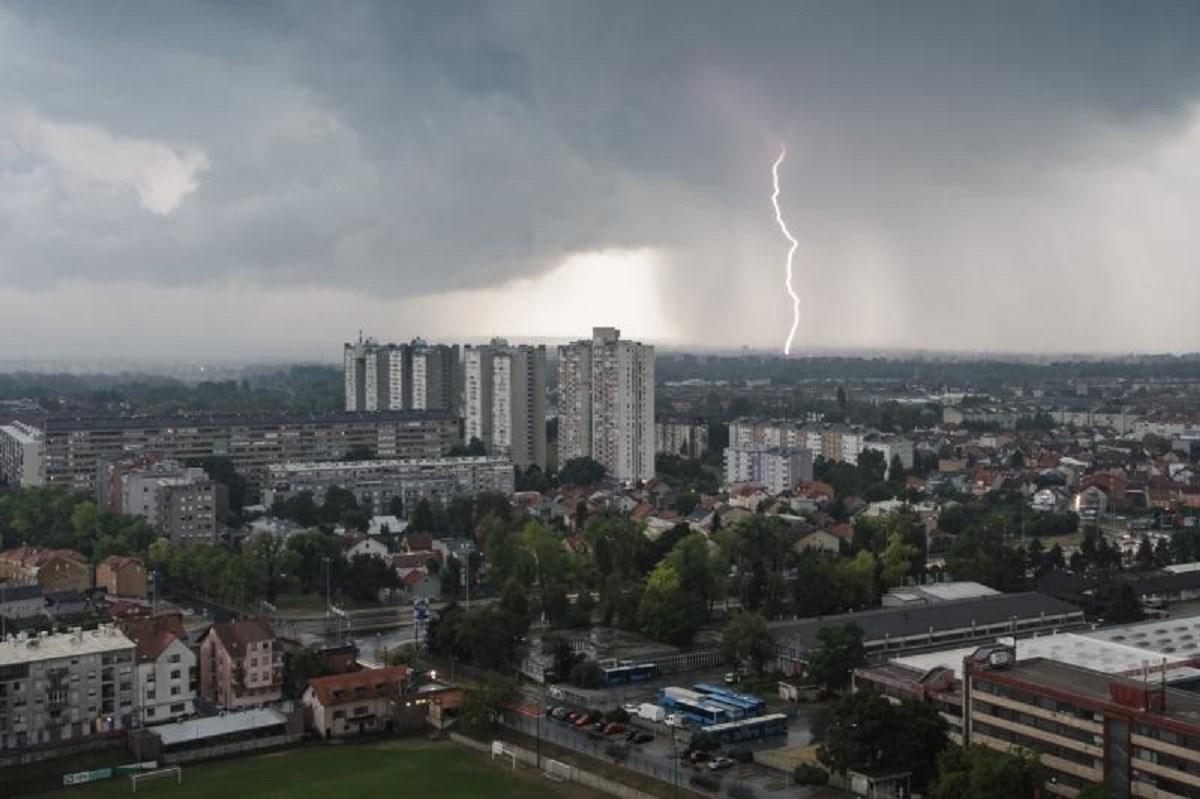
(328, 595)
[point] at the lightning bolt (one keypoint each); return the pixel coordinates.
(787, 346)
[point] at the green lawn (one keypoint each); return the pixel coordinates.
(405, 768)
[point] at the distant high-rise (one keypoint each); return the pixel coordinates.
(398, 377)
(606, 404)
(504, 400)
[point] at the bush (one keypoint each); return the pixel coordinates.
(617, 715)
(808, 774)
(741, 754)
(593, 716)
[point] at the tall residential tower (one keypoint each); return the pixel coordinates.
(504, 400)
(606, 404)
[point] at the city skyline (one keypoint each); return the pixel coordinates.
(182, 179)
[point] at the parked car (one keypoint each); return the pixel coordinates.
(582, 721)
(631, 708)
(613, 728)
(571, 716)
(719, 763)
(699, 756)
(640, 737)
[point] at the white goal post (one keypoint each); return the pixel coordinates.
(162, 772)
(557, 771)
(500, 750)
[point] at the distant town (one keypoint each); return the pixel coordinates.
(731, 575)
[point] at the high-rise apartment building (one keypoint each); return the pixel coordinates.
(21, 455)
(436, 377)
(395, 377)
(504, 401)
(606, 404)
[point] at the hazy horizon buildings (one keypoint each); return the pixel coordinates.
(606, 404)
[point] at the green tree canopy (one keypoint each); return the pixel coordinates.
(840, 651)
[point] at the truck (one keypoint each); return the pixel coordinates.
(651, 712)
(675, 720)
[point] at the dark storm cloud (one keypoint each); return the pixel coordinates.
(399, 149)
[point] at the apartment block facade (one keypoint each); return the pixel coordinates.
(58, 689)
(504, 401)
(606, 404)
(414, 376)
(685, 439)
(840, 443)
(241, 664)
(777, 469)
(75, 447)
(21, 455)
(376, 482)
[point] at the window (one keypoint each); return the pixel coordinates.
(178, 708)
(173, 659)
(150, 713)
(175, 691)
(175, 674)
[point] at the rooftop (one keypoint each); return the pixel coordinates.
(295, 467)
(1076, 649)
(272, 419)
(1182, 706)
(1179, 636)
(31, 648)
(215, 726)
(903, 622)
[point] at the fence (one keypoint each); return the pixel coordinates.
(225, 750)
(585, 778)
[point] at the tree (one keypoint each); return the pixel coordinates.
(473, 448)
(422, 517)
(840, 651)
(668, 612)
(808, 774)
(746, 639)
(897, 560)
(581, 472)
(367, 576)
(586, 674)
(866, 731)
(981, 772)
(396, 506)
(1118, 602)
(300, 666)
(484, 705)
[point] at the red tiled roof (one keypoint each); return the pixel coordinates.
(153, 635)
(358, 685)
(36, 556)
(236, 636)
(118, 562)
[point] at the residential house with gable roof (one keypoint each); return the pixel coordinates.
(241, 664)
(166, 667)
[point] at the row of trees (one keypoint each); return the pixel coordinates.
(50, 517)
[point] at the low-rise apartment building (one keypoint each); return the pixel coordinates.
(375, 482)
(166, 667)
(122, 576)
(241, 664)
(777, 469)
(55, 570)
(56, 689)
(75, 447)
(355, 703)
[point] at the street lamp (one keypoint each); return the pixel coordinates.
(328, 595)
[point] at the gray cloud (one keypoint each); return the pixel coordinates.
(956, 178)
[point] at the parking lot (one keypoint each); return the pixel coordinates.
(659, 757)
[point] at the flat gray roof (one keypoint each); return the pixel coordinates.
(902, 622)
(200, 729)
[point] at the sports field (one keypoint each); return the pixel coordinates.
(403, 768)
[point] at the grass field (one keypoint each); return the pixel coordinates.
(408, 768)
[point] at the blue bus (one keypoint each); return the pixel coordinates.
(624, 671)
(751, 705)
(694, 706)
(750, 729)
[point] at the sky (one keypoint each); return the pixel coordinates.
(265, 180)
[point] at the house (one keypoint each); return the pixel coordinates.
(165, 667)
(1091, 502)
(386, 525)
(748, 497)
(420, 584)
(1048, 500)
(55, 570)
(459, 548)
(241, 664)
(366, 547)
(819, 541)
(359, 702)
(122, 576)
(417, 542)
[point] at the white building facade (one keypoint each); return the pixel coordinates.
(504, 401)
(776, 469)
(21, 455)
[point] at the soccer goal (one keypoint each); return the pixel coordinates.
(559, 772)
(502, 751)
(169, 771)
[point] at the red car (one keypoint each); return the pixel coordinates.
(613, 728)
